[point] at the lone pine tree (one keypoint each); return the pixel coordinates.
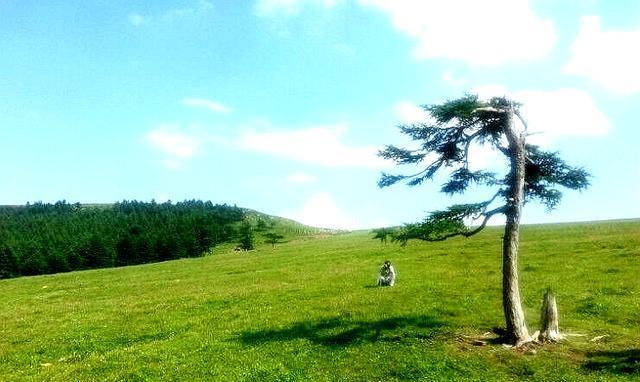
(272, 238)
(444, 142)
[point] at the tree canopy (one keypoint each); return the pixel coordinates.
(444, 142)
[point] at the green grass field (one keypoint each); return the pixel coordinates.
(307, 310)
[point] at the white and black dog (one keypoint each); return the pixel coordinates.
(387, 274)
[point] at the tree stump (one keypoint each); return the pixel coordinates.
(549, 331)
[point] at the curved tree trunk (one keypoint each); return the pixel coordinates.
(517, 332)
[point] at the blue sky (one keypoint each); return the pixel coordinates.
(281, 105)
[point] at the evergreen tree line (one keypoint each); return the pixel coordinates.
(46, 238)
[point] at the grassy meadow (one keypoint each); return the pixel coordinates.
(307, 310)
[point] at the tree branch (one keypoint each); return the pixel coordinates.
(487, 216)
(500, 191)
(428, 172)
(517, 113)
(469, 139)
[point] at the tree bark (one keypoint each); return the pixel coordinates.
(517, 332)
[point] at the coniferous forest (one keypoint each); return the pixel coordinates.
(43, 238)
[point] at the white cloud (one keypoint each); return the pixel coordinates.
(557, 113)
(301, 177)
(271, 8)
(173, 143)
(449, 78)
(610, 58)
(214, 106)
(321, 145)
(409, 112)
(563, 112)
(487, 33)
(176, 147)
(320, 210)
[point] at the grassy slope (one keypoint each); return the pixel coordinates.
(289, 229)
(306, 311)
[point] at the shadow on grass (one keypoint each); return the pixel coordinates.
(615, 362)
(345, 332)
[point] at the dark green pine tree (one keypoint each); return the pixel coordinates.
(272, 238)
(95, 253)
(246, 236)
(444, 143)
(8, 262)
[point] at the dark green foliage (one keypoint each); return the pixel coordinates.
(382, 234)
(444, 142)
(440, 224)
(388, 180)
(95, 254)
(462, 178)
(272, 238)
(48, 238)
(125, 250)
(544, 170)
(261, 225)
(8, 262)
(246, 236)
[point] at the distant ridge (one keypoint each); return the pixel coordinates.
(253, 215)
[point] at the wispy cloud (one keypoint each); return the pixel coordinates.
(214, 106)
(502, 30)
(450, 79)
(610, 58)
(176, 146)
(321, 145)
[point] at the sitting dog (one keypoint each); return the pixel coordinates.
(387, 274)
